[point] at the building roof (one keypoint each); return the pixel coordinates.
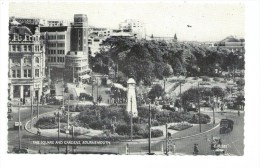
(21, 30)
(53, 29)
(232, 39)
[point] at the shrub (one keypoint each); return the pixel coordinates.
(195, 78)
(181, 126)
(205, 78)
(123, 129)
(156, 133)
(216, 79)
(204, 119)
(46, 123)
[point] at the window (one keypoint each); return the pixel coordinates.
(16, 61)
(18, 48)
(25, 73)
(51, 59)
(13, 73)
(51, 37)
(27, 60)
(58, 59)
(18, 74)
(15, 37)
(30, 48)
(61, 37)
(29, 73)
(13, 48)
(61, 44)
(37, 38)
(49, 51)
(37, 72)
(37, 60)
(25, 48)
(54, 59)
(27, 38)
(52, 44)
(37, 48)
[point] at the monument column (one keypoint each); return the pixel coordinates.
(131, 98)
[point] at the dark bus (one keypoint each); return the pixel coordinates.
(226, 126)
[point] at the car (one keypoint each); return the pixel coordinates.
(226, 126)
(20, 150)
(168, 107)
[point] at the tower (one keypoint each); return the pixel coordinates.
(131, 98)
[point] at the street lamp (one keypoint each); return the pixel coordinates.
(150, 134)
(199, 105)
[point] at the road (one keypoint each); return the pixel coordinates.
(234, 140)
(13, 140)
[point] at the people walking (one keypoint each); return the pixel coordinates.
(196, 149)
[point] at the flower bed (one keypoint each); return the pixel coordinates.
(180, 126)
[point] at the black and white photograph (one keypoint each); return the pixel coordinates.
(122, 78)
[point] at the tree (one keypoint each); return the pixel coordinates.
(167, 70)
(175, 37)
(156, 92)
(218, 92)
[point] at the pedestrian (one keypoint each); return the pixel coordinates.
(173, 148)
(38, 132)
(238, 113)
(196, 149)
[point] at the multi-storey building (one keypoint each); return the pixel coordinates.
(57, 40)
(55, 23)
(232, 43)
(76, 62)
(136, 27)
(29, 21)
(95, 39)
(26, 63)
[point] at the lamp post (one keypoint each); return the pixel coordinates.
(180, 96)
(199, 105)
(67, 131)
(97, 90)
(150, 135)
(131, 122)
(19, 129)
(62, 108)
(31, 92)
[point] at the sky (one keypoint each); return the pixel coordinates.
(209, 21)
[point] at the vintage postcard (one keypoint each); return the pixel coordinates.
(126, 78)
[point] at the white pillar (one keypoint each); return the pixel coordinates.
(21, 91)
(131, 98)
(11, 92)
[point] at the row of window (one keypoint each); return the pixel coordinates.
(27, 73)
(56, 44)
(54, 37)
(25, 48)
(26, 38)
(55, 59)
(25, 60)
(54, 52)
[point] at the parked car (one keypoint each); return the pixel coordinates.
(226, 126)
(20, 150)
(84, 96)
(192, 107)
(168, 107)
